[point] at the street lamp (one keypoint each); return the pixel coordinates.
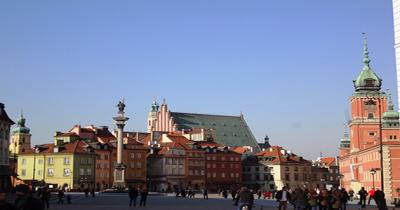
(34, 167)
(371, 102)
(373, 172)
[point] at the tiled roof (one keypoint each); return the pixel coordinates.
(240, 150)
(230, 130)
(68, 134)
(328, 160)
(279, 155)
(77, 146)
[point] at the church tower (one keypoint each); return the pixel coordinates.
(366, 103)
(21, 137)
(152, 116)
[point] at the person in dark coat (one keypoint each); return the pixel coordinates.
(45, 197)
(344, 198)
(24, 200)
(4, 205)
(205, 193)
(143, 196)
(299, 199)
(379, 197)
(60, 197)
(246, 198)
(283, 196)
(363, 197)
(133, 194)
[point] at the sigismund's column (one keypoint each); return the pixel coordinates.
(120, 119)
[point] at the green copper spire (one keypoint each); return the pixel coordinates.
(21, 125)
(390, 114)
(366, 53)
(367, 80)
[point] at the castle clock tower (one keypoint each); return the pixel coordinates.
(21, 137)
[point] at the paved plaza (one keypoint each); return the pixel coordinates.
(119, 201)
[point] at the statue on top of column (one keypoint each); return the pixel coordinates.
(121, 106)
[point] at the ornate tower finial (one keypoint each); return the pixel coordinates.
(366, 59)
(390, 101)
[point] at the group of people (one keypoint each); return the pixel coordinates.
(23, 200)
(334, 199)
(134, 192)
(186, 193)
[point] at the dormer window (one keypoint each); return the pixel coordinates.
(369, 83)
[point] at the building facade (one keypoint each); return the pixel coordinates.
(229, 130)
(5, 171)
(372, 117)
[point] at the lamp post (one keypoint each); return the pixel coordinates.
(373, 172)
(372, 102)
(34, 168)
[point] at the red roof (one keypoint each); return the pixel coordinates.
(77, 146)
(279, 155)
(328, 160)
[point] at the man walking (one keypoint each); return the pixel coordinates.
(60, 197)
(282, 197)
(246, 198)
(205, 193)
(45, 196)
(143, 196)
(363, 197)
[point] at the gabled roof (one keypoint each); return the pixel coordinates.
(278, 155)
(77, 146)
(230, 130)
(328, 161)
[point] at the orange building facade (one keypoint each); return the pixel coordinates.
(372, 118)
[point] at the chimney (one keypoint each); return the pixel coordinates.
(137, 136)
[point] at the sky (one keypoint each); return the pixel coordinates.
(286, 65)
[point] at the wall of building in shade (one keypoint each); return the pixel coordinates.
(396, 17)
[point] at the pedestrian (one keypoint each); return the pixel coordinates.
(345, 198)
(233, 194)
(379, 197)
(45, 197)
(246, 198)
(259, 193)
(312, 199)
(24, 200)
(363, 197)
(205, 193)
(351, 194)
(323, 199)
(299, 199)
(86, 192)
(143, 196)
(371, 193)
(225, 193)
(68, 198)
(336, 200)
(133, 194)
(60, 197)
(282, 196)
(92, 193)
(4, 205)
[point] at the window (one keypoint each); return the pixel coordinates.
(23, 162)
(286, 168)
(50, 172)
(138, 155)
(287, 177)
(223, 175)
(232, 175)
(237, 175)
(139, 164)
(372, 133)
(82, 171)
(132, 155)
(223, 158)
(40, 173)
(67, 172)
(89, 171)
(296, 168)
(66, 161)
(23, 172)
(208, 175)
(106, 157)
(394, 137)
(83, 161)
(90, 160)
(296, 177)
(370, 115)
(214, 175)
(50, 161)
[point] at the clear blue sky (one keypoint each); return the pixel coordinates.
(287, 65)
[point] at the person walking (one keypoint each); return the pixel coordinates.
(60, 197)
(379, 197)
(351, 194)
(143, 196)
(363, 197)
(259, 192)
(205, 193)
(299, 199)
(371, 193)
(45, 197)
(336, 200)
(24, 200)
(246, 198)
(344, 198)
(283, 196)
(323, 199)
(312, 198)
(92, 193)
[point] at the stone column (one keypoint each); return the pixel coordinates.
(120, 119)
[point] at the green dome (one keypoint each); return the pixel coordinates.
(367, 80)
(21, 126)
(391, 114)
